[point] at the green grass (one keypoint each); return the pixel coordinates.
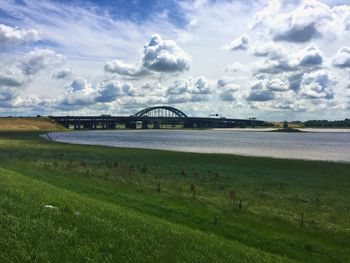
(108, 209)
(29, 124)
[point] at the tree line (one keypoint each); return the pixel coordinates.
(327, 124)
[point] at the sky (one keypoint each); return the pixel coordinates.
(273, 60)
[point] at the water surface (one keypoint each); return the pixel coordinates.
(333, 146)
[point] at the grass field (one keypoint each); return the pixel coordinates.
(29, 124)
(75, 203)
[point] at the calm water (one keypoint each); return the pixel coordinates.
(333, 146)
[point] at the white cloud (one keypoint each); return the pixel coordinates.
(342, 58)
(258, 92)
(240, 43)
(269, 49)
(228, 89)
(14, 36)
(165, 56)
(282, 60)
(162, 56)
(110, 91)
(7, 95)
(277, 85)
(188, 90)
(12, 81)
(266, 87)
(62, 73)
(40, 59)
(234, 67)
(318, 85)
(309, 20)
(11, 76)
(79, 93)
(311, 56)
(275, 66)
(120, 67)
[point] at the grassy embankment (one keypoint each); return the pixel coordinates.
(29, 124)
(117, 205)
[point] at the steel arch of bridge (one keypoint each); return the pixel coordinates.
(162, 111)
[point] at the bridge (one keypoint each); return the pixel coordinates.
(153, 117)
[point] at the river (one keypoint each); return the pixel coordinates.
(325, 145)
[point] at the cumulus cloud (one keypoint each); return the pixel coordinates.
(110, 91)
(309, 20)
(62, 73)
(275, 66)
(288, 105)
(122, 68)
(11, 76)
(79, 93)
(189, 90)
(165, 56)
(143, 101)
(228, 94)
(270, 50)
(240, 43)
(259, 93)
(342, 58)
(264, 88)
(14, 78)
(294, 80)
(12, 81)
(7, 95)
(318, 85)
(281, 60)
(234, 67)
(227, 88)
(310, 56)
(225, 81)
(159, 55)
(33, 102)
(40, 59)
(277, 85)
(13, 35)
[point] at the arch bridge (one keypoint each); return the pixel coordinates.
(161, 111)
(152, 117)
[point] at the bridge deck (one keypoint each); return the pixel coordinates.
(110, 122)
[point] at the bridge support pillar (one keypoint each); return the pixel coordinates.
(76, 124)
(66, 124)
(188, 125)
(111, 125)
(145, 124)
(87, 125)
(156, 125)
(130, 125)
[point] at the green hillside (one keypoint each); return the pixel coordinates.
(29, 124)
(74, 203)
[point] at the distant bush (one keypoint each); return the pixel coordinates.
(327, 124)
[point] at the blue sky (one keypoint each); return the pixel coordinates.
(273, 60)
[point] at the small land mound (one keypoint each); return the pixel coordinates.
(288, 130)
(29, 124)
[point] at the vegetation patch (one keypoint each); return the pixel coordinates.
(62, 202)
(29, 124)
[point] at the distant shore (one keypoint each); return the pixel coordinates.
(273, 129)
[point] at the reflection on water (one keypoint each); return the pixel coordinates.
(333, 146)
